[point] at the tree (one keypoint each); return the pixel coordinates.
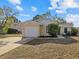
(36, 17)
(74, 31)
(53, 29)
(59, 20)
(1, 18)
(10, 20)
(6, 12)
(47, 14)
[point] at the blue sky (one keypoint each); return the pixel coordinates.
(68, 9)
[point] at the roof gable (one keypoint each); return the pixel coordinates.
(30, 22)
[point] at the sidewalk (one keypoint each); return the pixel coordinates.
(10, 45)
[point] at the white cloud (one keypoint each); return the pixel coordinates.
(54, 3)
(60, 11)
(15, 2)
(19, 8)
(63, 4)
(34, 9)
(50, 8)
(76, 25)
(70, 4)
(27, 15)
(73, 18)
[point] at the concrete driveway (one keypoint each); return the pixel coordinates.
(8, 43)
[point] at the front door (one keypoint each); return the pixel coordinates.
(65, 30)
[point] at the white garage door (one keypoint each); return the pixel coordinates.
(31, 32)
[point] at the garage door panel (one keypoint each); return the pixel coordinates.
(31, 32)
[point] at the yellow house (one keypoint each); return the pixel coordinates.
(36, 29)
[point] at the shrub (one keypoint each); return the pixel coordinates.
(74, 31)
(53, 29)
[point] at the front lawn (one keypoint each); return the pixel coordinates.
(46, 49)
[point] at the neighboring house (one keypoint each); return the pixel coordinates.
(16, 26)
(39, 27)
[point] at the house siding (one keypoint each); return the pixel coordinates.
(63, 26)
